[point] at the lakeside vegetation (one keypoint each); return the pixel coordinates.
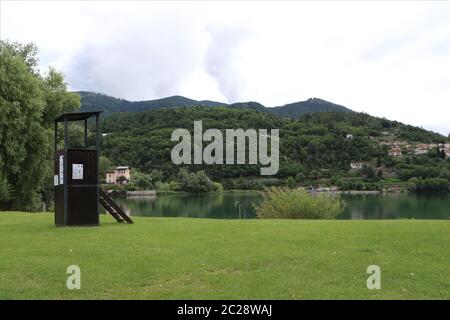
(182, 258)
(298, 204)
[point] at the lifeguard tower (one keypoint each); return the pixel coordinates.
(77, 192)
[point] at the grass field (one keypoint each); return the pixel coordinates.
(185, 258)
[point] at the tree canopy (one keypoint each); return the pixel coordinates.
(29, 102)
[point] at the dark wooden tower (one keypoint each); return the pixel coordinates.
(76, 175)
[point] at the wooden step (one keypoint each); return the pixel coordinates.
(113, 208)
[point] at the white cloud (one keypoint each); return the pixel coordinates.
(386, 59)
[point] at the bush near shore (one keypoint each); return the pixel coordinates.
(298, 204)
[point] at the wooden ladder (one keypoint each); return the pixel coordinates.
(113, 208)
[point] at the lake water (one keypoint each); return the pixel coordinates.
(227, 205)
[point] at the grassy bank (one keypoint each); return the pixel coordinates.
(165, 258)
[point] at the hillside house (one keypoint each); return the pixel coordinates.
(447, 152)
(356, 165)
(446, 148)
(397, 148)
(423, 148)
(121, 175)
(395, 152)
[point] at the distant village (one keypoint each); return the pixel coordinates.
(398, 148)
(402, 148)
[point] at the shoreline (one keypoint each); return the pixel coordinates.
(154, 193)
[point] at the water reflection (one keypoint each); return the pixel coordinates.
(217, 205)
(394, 206)
(223, 206)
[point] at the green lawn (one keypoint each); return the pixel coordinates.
(185, 258)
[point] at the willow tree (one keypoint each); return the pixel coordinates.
(28, 104)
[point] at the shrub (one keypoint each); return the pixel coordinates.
(290, 183)
(417, 171)
(143, 181)
(298, 204)
(334, 180)
(192, 182)
(131, 187)
(174, 186)
(426, 185)
(198, 183)
(356, 185)
(299, 177)
(217, 187)
(5, 189)
(162, 186)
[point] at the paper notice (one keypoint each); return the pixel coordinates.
(77, 171)
(61, 169)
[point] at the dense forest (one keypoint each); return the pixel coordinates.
(313, 147)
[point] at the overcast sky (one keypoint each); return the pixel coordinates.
(386, 59)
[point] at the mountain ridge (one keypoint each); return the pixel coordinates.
(93, 101)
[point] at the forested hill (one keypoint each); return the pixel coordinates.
(91, 101)
(294, 110)
(316, 143)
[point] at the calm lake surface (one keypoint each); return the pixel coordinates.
(226, 206)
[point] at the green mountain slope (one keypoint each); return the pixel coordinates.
(91, 101)
(315, 145)
(294, 110)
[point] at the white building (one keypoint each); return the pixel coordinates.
(356, 165)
